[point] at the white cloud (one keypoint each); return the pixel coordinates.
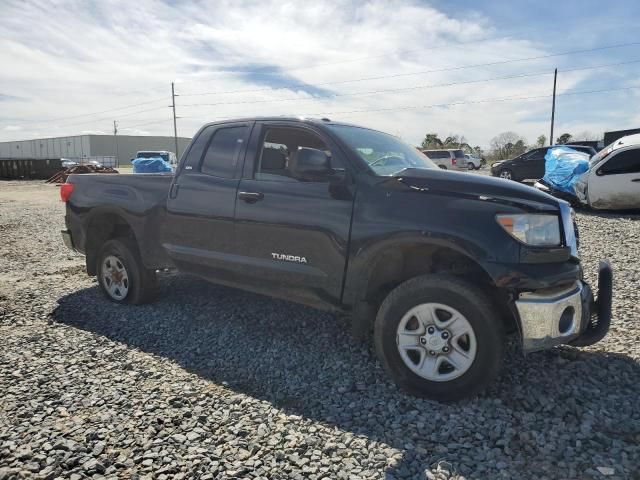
(86, 57)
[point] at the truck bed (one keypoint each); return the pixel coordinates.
(139, 199)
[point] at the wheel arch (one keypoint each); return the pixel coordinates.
(387, 265)
(101, 226)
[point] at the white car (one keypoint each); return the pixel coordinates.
(473, 162)
(613, 180)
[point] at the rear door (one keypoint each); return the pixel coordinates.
(199, 231)
(615, 183)
(292, 235)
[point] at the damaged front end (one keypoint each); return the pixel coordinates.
(568, 315)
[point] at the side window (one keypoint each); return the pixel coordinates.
(539, 154)
(279, 145)
(221, 157)
(624, 162)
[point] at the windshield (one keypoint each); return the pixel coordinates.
(384, 153)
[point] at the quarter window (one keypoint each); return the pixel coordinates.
(221, 158)
(624, 162)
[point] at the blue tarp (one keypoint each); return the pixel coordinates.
(563, 168)
(151, 165)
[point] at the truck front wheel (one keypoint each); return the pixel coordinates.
(437, 337)
(122, 276)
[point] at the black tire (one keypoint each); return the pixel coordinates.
(142, 282)
(471, 166)
(466, 299)
(442, 167)
(504, 172)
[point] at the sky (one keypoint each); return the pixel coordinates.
(472, 68)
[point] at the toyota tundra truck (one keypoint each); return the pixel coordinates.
(438, 266)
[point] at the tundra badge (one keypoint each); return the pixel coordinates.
(288, 258)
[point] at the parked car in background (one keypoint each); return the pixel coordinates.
(473, 162)
(68, 163)
(530, 165)
(613, 179)
(447, 159)
(169, 157)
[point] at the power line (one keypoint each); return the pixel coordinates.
(402, 89)
(125, 107)
(441, 105)
(473, 102)
(127, 127)
(422, 72)
(119, 116)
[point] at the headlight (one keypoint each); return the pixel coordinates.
(532, 229)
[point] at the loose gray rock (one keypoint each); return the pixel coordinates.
(210, 382)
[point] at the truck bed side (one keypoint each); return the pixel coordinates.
(133, 205)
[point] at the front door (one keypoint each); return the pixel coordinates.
(293, 235)
(199, 233)
(615, 183)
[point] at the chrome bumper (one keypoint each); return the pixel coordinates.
(568, 315)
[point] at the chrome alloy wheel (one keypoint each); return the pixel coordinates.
(115, 277)
(506, 174)
(436, 342)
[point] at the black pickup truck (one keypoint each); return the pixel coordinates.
(440, 266)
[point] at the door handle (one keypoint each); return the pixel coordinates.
(636, 180)
(173, 193)
(250, 197)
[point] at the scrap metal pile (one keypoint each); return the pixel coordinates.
(62, 175)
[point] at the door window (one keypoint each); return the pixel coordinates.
(624, 162)
(221, 157)
(279, 145)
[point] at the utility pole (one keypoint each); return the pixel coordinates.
(175, 128)
(553, 106)
(115, 137)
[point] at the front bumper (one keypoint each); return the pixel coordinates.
(566, 316)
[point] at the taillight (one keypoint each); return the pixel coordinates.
(66, 189)
(453, 161)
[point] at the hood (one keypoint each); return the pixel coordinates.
(474, 186)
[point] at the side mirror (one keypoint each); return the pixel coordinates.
(132, 160)
(310, 164)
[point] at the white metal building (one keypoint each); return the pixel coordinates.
(124, 147)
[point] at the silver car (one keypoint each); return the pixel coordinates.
(450, 159)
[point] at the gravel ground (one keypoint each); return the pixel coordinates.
(211, 382)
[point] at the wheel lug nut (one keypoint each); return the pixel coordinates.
(431, 329)
(445, 335)
(445, 349)
(423, 341)
(432, 353)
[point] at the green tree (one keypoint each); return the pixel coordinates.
(563, 139)
(541, 141)
(431, 140)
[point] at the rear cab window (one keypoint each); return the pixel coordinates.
(221, 157)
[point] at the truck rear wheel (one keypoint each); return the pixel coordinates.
(436, 337)
(122, 276)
